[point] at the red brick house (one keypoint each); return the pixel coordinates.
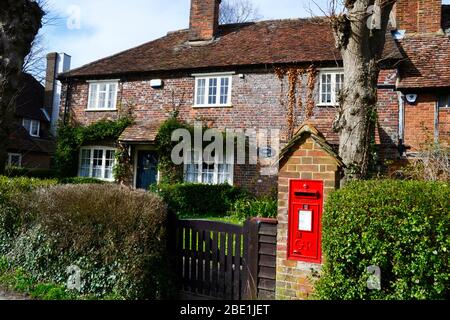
(225, 75)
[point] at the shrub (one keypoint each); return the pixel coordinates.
(402, 227)
(116, 236)
(249, 208)
(199, 199)
(13, 172)
(80, 180)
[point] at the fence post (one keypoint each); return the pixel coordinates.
(251, 248)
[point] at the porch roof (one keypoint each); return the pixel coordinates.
(140, 132)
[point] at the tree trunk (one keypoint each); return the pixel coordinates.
(361, 48)
(20, 21)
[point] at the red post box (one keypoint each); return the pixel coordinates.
(305, 220)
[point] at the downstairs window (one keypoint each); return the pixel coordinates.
(97, 162)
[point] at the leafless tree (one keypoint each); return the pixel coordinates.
(238, 11)
(360, 28)
(20, 21)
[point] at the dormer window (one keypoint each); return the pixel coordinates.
(102, 95)
(33, 127)
(331, 83)
(213, 90)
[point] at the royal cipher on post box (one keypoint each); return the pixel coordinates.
(305, 220)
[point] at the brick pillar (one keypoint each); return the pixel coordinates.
(306, 160)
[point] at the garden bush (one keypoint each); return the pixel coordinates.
(199, 199)
(14, 172)
(248, 207)
(400, 226)
(80, 180)
(116, 236)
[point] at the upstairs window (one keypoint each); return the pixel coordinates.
(213, 90)
(331, 83)
(97, 162)
(444, 101)
(14, 160)
(33, 127)
(102, 96)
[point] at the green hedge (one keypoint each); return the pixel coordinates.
(199, 199)
(401, 227)
(14, 172)
(116, 236)
(249, 207)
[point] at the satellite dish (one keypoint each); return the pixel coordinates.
(411, 98)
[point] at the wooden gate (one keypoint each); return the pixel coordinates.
(216, 260)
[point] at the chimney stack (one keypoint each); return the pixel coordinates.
(204, 21)
(56, 63)
(419, 16)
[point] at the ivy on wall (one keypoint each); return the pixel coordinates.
(295, 77)
(72, 137)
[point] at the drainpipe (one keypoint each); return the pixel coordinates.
(66, 102)
(436, 123)
(401, 124)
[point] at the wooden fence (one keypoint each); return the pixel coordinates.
(216, 260)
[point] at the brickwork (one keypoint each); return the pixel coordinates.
(307, 161)
(444, 126)
(204, 20)
(420, 122)
(419, 16)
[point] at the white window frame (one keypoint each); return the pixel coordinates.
(91, 161)
(207, 77)
(447, 105)
(10, 155)
(216, 172)
(108, 83)
(30, 128)
(334, 73)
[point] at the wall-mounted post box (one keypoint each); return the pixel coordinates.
(305, 220)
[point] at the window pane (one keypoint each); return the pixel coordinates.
(85, 164)
(339, 84)
(444, 101)
(27, 124)
(224, 174)
(212, 97)
(34, 131)
(224, 85)
(326, 88)
(201, 87)
(97, 164)
(15, 160)
(93, 96)
(111, 96)
(208, 173)
(109, 165)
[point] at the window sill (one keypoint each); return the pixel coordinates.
(210, 106)
(100, 110)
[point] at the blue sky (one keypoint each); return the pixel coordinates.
(106, 27)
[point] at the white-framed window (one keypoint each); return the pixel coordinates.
(32, 126)
(331, 83)
(213, 172)
(102, 95)
(213, 90)
(14, 160)
(97, 162)
(444, 101)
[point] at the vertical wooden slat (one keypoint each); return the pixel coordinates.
(215, 260)
(201, 261)
(207, 283)
(229, 268)
(180, 254)
(251, 259)
(237, 269)
(194, 243)
(187, 239)
(222, 265)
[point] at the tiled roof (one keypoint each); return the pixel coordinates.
(30, 100)
(427, 62)
(140, 132)
(266, 42)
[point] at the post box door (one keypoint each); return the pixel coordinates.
(305, 215)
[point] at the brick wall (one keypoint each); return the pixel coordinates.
(444, 126)
(419, 122)
(419, 16)
(256, 105)
(307, 161)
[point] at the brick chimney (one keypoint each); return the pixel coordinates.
(56, 63)
(204, 20)
(419, 16)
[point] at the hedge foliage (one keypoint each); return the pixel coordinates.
(199, 199)
(401, 227)
(250, 207)
(116, 236)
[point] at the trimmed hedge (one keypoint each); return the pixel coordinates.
(401, 227)
(116, 236)
(199, 199)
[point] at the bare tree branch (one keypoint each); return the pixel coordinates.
(238, 11)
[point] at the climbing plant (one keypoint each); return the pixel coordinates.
(72, 136)
(296, 78)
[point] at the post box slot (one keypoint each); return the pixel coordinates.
(307, 194)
